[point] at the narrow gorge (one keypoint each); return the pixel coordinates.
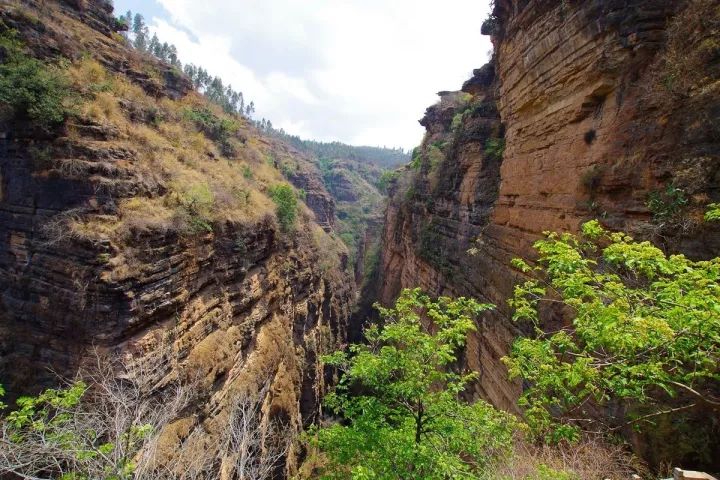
(150, 225)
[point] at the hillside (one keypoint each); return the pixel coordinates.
(140, 219)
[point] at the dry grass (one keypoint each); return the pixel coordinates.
(686, 66)
(588, 460)
(86, 73)
(92, 228)
(171, 152)
(143, 214)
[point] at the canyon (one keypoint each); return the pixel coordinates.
(587, 109)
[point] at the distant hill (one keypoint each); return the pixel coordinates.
(380, 156)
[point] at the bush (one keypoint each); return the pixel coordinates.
(457, 121)
(666, 204)
(416, 161)
(31, 90)
(288, 170)
(386, 178)
(197, 201)
(286, 202)
(590, 178)
(713, 213)
(494, 148)
(216, 128)
(490, 25)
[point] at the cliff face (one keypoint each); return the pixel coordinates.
(588, 109)
(128, 230)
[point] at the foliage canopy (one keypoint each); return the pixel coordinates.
(400, 399)
(286, 205)
(645, 328)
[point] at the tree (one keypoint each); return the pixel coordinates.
(173, 56)
(255, 450)
(399, 398)
(643, 329)
(286, 205)
(103, 425)
(141, 33)
(154, 45)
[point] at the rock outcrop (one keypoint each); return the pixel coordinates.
(588, 109)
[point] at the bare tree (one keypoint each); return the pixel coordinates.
(105, 424)
(254, 447)
(109, 422)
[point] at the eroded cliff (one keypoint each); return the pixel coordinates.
(140, 227)
(588, 109)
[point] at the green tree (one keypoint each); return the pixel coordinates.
(286, 205)
(400, 399)
(643, 328)
(141, 33)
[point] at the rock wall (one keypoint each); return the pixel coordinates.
(238, 307)
(587, 110)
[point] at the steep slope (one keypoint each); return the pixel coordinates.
(142, 224)
(588, 110)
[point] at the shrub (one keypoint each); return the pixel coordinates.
(713, 213)
(196, 201)
(435, 156)
(216, 128)
(490, 26)
(288, 170)
(416, 161)
(666, 204)
(494, 148)
(31, 90)
(286, 205)
(590, 178)
(457, 121)
(386, 178)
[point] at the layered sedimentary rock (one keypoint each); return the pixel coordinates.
(236, 306)
(588, 109)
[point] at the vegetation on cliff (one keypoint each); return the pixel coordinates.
(156, 215)
(30, 89)
(644, 331)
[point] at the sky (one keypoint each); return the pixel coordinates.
(358, 71)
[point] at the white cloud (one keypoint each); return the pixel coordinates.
(358, 71)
